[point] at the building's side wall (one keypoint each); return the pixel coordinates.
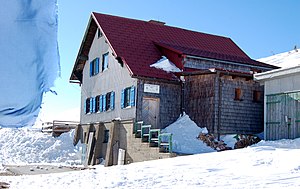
(244, 116)
(207, 64)
(115, 78)
(169, 98)
(282, 108)
(199, 99)
(282, 85)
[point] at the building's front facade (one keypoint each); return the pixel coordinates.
(215, 86)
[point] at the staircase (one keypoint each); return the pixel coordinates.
(153, 137)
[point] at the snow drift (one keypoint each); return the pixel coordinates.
(185, 133)
(30, 58)
(23, 146)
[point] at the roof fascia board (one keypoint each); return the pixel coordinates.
(277, 73)
(80, 48)
(114, 52)
(224, 61)
(95, 19)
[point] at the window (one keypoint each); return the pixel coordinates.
(106, 136)
(256, 96)
(238, 94)
(105, 102)
(108, 95)
(104, 61)
(99, 33)
(128, 97)
(87, 105)
(97, 108)
(94, 67)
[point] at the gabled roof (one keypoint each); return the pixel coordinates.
(140, 43)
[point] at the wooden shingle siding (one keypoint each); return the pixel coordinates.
(230, 116)
(169, 98)
(200, 96)
(242, 116)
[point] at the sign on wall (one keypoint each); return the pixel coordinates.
(150, 88)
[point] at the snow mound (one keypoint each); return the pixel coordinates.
(23, 146)
(185, 133)
(283, 143)
(283, 60)
(166, 65)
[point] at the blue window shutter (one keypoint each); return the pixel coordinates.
(94, 104)
(132, 96)
(122, 98)
(91, 105)
(104, 103)
(112, 100)
(91, 68)
(97, 65)
(101, 103)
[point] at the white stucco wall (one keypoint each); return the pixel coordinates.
(115, 78)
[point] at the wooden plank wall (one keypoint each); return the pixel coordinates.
(283, 116)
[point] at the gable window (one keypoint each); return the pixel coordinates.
(94, 67)
(104, 61)
(256, 96)
(238, 94)
(99, 33)
(128, 97)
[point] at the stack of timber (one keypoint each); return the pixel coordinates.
(58, 127)
(210, 141)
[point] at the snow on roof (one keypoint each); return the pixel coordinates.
(166, 65)
(283, 60)
(185, 133)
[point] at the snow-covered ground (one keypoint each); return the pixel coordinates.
(283, 60)
(23, 146)
(267, 165)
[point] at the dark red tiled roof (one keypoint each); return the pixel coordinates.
(136, 41)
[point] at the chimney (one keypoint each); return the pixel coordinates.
(157, 22)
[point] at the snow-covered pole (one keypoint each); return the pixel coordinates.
(182, 104)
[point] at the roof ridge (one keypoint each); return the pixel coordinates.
(165, 25)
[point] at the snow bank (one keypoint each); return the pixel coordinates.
(185, 133)
(284, 143)
(23, 146)
(166, 65)
(29, 58)
(283, 60)
(229, 140)
(252, 167)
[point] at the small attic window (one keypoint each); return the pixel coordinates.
(99, 33)
(238, 94)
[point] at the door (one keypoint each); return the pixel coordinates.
(150, 112)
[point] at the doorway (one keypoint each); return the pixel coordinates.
(150, 112)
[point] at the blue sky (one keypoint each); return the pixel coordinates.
(259, 27)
